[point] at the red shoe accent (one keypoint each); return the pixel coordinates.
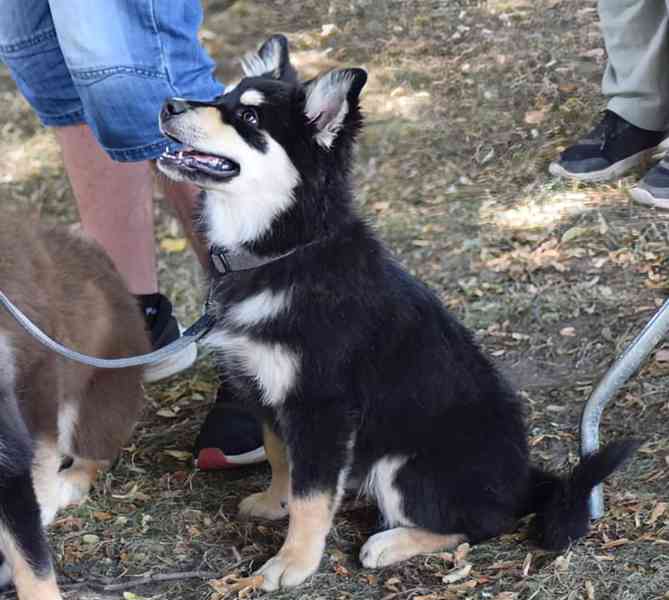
(213, 459)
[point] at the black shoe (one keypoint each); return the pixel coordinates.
(230, 437)
(610, 150)
(653, 189)
(164, 329)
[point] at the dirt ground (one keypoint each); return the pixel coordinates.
(467, 103)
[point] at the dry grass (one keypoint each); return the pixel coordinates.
(467, 103)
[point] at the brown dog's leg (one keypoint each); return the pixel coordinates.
(300, 555)
(273, 502)
(401, 543)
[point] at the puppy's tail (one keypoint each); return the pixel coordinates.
(561, 503)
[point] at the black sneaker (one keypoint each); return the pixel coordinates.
(610, 150)
(230, 437)
(164, 329)
(653, 189)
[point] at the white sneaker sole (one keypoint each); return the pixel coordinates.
(615, 171)
(171, 365)
(213, 459)
(642, 196)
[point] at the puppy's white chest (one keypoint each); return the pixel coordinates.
(273, 366)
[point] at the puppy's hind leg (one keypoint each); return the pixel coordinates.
(402, 543)
(406, 538)
(273, 502)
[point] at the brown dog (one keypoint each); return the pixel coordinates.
(60, 421)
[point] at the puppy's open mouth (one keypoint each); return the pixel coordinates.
(191, 161)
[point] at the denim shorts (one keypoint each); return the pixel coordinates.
(107, 63)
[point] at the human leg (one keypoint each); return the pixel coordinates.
(636, 81)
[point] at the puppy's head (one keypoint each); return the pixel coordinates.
(266, 135)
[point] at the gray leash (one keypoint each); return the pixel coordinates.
(195, 332)
(221, 262)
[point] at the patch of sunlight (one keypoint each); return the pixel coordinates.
(534, 212)
(378, 98)
(30, 157)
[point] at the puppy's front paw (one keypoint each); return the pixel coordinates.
(263, 506)
(289, 568)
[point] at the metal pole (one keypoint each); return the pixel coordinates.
(615, 378)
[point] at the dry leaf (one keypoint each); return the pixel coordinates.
(231, 583)
(574, 233)
(590, 590)
(534, 117)
(461, 553)
(527, 563)
(567, 88)
(506, 596)
(562, 562)
(568, 332)
(167, 413)
(662, 356)
(658, 511)
(457, 574)
(171, 245)
(393, 584)
(179, 454)
(615, 543)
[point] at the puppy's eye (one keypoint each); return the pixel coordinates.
(248, 115)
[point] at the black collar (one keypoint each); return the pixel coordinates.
(223, 262)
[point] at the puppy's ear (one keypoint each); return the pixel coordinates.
(271, 60)
(329, 98)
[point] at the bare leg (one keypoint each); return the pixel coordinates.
(115, 203)
(273, 502)
(183, 197)
(402, 543)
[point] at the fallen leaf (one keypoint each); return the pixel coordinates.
(590, 590)
(231, 583)
(461, 553)
(568, 332)
(167, 413)
(662, 356)
(574, 233)
(171, 245)
(615, 543)
(534, 117)
(506, 596)
(562, 562)
(457, 574)
(567, 88)
(658, 511)
(179, 454)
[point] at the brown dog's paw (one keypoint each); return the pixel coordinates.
(263, 506)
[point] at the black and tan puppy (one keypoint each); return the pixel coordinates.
(59, 421)
(355, 366)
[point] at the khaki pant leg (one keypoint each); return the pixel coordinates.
(636, 80)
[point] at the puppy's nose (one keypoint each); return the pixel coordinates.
(173, 107)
